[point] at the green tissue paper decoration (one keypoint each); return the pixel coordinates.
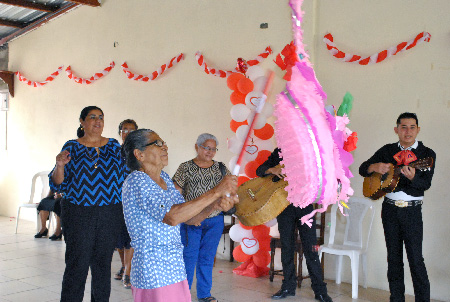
(346, 105)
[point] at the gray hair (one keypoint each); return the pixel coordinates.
(202, 138)
(135, 140)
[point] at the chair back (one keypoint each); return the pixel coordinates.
(42, 178)
(358, 208)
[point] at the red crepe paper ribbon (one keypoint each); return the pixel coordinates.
(290, 58)
(38, 84)
(405, 157)
(225, 73)
(92, 79)
(378, 57)
(154, 74)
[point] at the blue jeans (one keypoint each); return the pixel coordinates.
(200, 246)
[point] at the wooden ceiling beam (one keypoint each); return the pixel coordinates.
(30, 5)
(8, 78)
(87, 2)
(12, 23)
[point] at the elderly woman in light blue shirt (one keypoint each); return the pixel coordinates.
(153, 210)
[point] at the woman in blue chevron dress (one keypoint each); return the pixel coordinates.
(90, 173)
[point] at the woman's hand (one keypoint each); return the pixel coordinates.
(63, 158)
(226, 203)
(227, 187)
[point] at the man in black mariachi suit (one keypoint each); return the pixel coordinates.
(401, 212)
(286, 226)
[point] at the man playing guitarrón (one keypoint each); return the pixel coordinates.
(401, 212)
(286, 226)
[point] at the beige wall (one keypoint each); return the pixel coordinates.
(186, 101)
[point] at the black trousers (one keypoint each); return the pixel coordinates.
(405, 226)
(90, 234)
(286, 226)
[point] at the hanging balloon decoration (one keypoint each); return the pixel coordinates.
(245, 98)
(253, 249)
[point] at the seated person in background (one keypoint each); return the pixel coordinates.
(51, 203)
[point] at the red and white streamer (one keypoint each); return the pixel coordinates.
(155, 74)
(260, 57)
(92, 79)
(378, 57)
(38, 84)
(225, 73)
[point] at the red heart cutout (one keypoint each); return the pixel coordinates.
(255, 100)
(248, 243)
(251, 149)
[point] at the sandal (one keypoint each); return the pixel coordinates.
(119, 274)
(209, 299)
(126, 281)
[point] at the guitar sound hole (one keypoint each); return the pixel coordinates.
(384, 176)
(276, 179)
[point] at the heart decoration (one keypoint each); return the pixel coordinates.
(251, 149)
(248, 242)
(255, 101)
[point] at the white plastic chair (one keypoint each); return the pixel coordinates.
(43, 178)
(353, 245)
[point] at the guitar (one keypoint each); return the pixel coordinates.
(261, 199)
(377, 185)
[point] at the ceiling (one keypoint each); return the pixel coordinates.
(17, 17)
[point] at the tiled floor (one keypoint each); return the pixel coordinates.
(31, 270)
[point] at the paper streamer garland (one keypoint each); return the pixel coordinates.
(378, 57)
(38, 84)
(224, 73)
(155, 74)
(92, 79)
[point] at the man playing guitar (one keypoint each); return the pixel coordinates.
(401, 212)
(286, 226)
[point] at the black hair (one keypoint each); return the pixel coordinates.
(407, 115)
(135, 140)
(128, 121)
(84, 113)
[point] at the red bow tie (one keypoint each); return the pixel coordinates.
(405, 157)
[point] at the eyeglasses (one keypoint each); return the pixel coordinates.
(126, 131)
(209, 148)
(158, 142)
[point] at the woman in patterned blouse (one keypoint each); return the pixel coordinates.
(201, 237)
(89, 171)
(153, 210)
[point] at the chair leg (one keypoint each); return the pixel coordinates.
(364, 267)
(17, 218)
(338, 268)
(231, 250)
(355, 270)
(38, 222)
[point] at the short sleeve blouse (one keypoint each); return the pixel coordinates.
(92, 179)
(158, 251)
(196, 181)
